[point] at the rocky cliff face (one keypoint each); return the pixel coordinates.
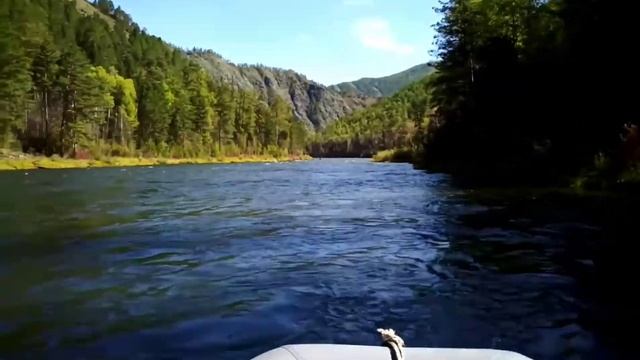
(314, 104)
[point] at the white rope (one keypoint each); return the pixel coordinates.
(394, 342)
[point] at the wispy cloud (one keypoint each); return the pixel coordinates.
(375, 33)
(357, 2)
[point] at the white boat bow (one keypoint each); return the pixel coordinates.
(357, 352)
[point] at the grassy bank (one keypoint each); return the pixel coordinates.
(394, 155)
(17, 161)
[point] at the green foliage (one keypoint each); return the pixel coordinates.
(276, 152)
(45, 71)
(394, 155)
(396, 122)
(226, 117)
(155, 101)
(83, 98)
(15, 79)
(125, 111)
(278, 123)
(516, 96)
(298, 138)
(245, 122)
(631, 175)
(83, 79)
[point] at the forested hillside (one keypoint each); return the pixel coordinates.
(396, 122)
(524, 91)
(82, 81)
(384, 86)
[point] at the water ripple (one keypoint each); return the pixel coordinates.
(229, 261)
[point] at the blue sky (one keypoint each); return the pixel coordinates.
(330, 41)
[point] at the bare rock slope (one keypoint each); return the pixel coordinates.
(312, 103)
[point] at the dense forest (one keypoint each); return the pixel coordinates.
(84, 80)
(396, 122)
(534, 89)
(525, 90)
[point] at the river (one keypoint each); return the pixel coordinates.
(228, 261)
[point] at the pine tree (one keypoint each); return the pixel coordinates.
(263, 119)
(94, 37)
(154, 106)
(279, 123)
(202, 101)
(246, 120)
(81, 94)
(226, 115)
(297, 137)
(15, 84)
(45, 69)
(181, 123)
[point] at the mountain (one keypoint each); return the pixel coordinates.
(82, 79)
(384, 86)
(312, 103)
(395, 122)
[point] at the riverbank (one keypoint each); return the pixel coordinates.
(590, 180)
(18, 161)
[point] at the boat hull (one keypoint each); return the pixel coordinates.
(356, 352)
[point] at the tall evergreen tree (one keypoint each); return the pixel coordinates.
(279, 122)
(84, 99)
(226, 116)
(15, 84)
(155, 101)
(45, 70)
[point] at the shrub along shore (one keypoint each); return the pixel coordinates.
(402, 155)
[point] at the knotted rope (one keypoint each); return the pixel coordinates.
(393, 342)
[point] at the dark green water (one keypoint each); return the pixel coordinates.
(225, 262)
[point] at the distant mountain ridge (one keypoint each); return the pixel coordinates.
(313, 103)
(384, 86)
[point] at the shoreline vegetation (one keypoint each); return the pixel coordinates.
(595, 179)
(18, 161)
(401, 155)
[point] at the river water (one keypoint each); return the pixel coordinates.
(228, 261)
